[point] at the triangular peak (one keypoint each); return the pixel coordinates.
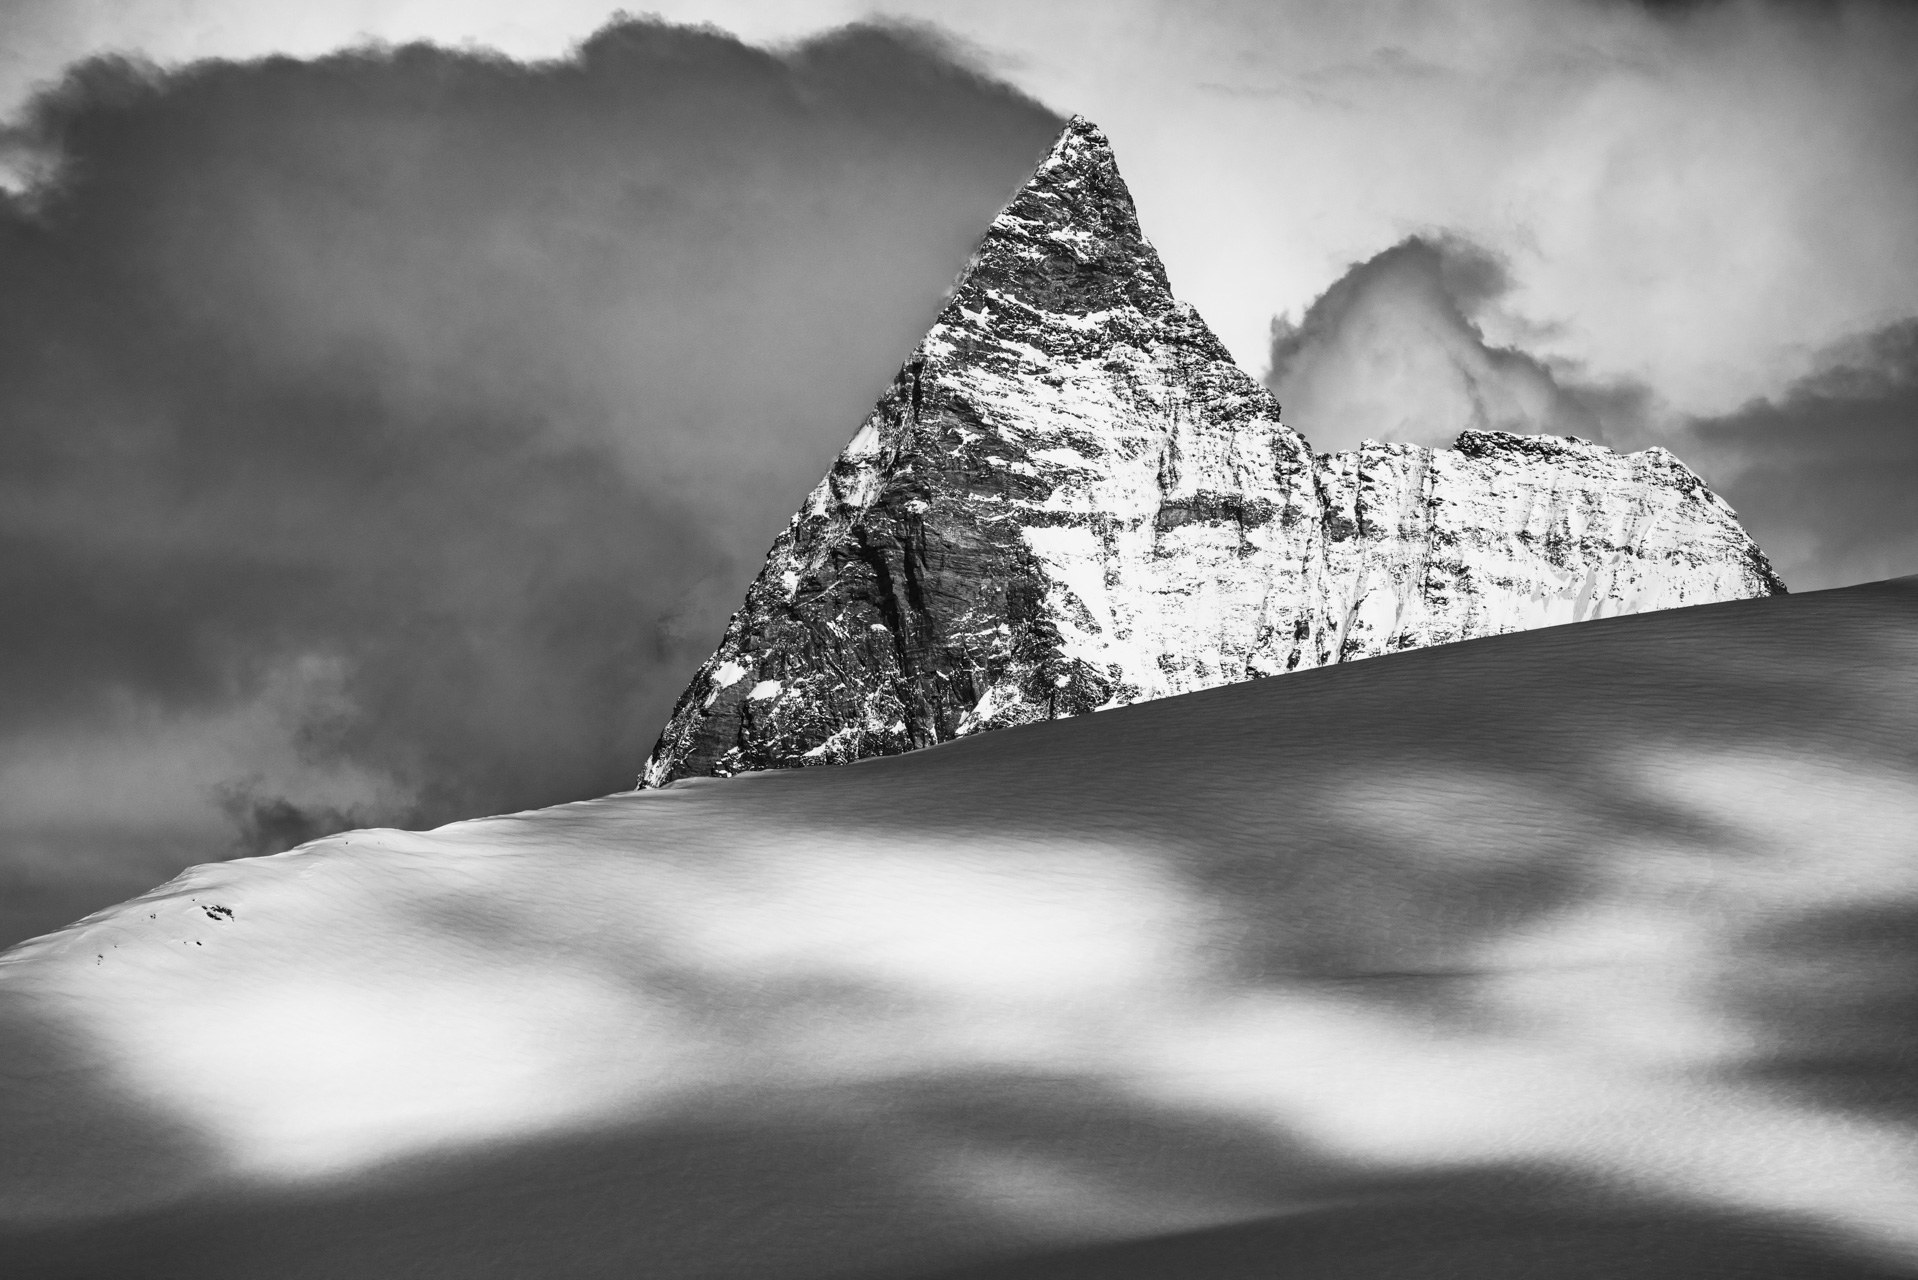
(1079, 182)
(1072, 499)
(1068, 242)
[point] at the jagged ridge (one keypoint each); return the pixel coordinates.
(1070, 498)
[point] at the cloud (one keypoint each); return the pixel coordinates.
(1392, 351)
(1826, 475)
(1698, 197)
(383, 437)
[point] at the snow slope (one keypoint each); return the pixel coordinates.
(1071, 498)
(1582, 951)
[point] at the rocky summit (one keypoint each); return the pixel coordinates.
(1072, 499)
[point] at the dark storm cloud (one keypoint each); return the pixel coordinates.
(476, 387)
(1394, 350)
(1826, 476)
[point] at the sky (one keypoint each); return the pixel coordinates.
(386, 428)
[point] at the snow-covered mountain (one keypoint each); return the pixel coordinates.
(1072, 499)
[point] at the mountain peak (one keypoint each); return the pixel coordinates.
(1072, 499)
(1068, 242)
(1080, 161)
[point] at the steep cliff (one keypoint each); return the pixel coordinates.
(1071, 498)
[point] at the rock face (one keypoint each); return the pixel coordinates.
(1072, 499)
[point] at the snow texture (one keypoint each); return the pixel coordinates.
(1577, 952)
(1071, 499)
